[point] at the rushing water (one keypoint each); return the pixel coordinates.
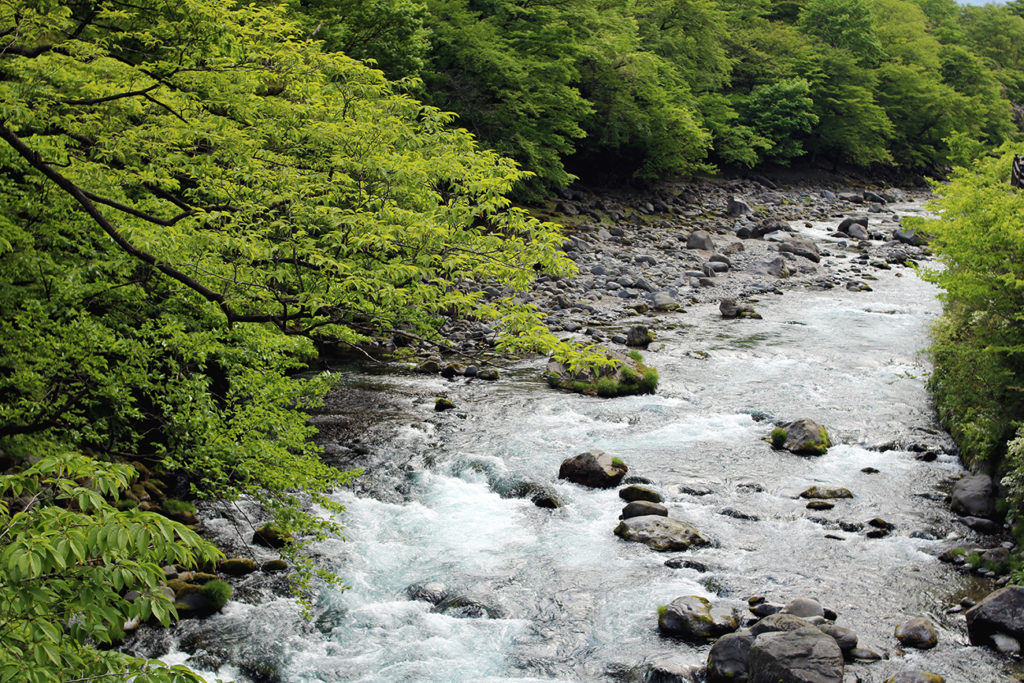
(564, 598)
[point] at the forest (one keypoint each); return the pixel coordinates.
(198, 196)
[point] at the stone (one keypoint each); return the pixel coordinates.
(442, 404)
(860, 654)
(820, 505)
(727, 660)
(737, 207)
(974, 496)
(271, 537)
(845, 638)
(915, 676)
(671, 669)
(981, 524)
(462, 607)
(776, 267)
(779, 622)
(909, 236)
(1001, 611)
(690, 618)
(639, 336)
(845, 225)
(805, 655)
(274, 566)
(806, 437)
(918, 633)
(595, 469)
(800, 246)
(765, 609)
(488, 374)
(663, 301)
(639, 508)
(660, 533)
(237, 566)
(634, 492)
(731, 308)
(804, 607)
(826, 492)
(700, 239)
(430, 591)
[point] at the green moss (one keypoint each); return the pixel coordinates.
(175, 506)
(617, 462)
(631, 376)
(823, 439)
(661, 610)
(974, 559)
(607, 387)
(779, 436)
(636, 355)
(649, 383)
(959, 551)
(219, 592)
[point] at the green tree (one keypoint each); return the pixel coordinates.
(782, 113)
(194, 195)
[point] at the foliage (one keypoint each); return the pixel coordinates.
(219, 592)
(195, 195)
(978, 345)
(781, 112)
(779, 436)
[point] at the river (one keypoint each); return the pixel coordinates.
(553, 594)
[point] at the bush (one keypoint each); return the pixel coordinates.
(779, 436)
(218, 591)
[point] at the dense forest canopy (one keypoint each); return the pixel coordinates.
(656, 87)
(198, 193)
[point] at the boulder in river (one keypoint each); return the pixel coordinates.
(826, 492)
(727, 661)
(805, 655)
(915, 676)
(691, 618)
(804, 437)
(635, 492)
(270, 536)
(639, 336)
(731, 308)
(640, 508)
(999, 612)
(800, 246)
(918, 633)
(974, 496)
(659, 533)
(595, 469)
(625, 375)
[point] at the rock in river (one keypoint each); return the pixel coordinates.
(999, 612)
(805, 655)
(806, 437)
(660, 533)
(918, 633)
(691, 618)
(595, 469)
(974, 496)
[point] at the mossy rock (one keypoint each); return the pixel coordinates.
(443, 404)
(804, 437)
(270, 536)
(237, 566)
(274, 566)
(627, 376)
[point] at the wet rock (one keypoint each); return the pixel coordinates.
(820, 505)
(700, 239)
(879, 523)
(765, 609)
(453, 370)
(691, 618)
(909, 236)
(595, 469)
(826, 492)
(845, 638)
(271, 537)
(432, 591)
(800, 246)
(462, 607)
(805, 655)
(846, 223)
(631, 493)
(803, 608)
(915, 676)
(738, 514)
(776, 267)
(981, 525)
(683, 563)
(640, 508)
(779, 622)
(442, 404)
(671, 670)
(663, 301)
(271, 566)
(974, 496)
(731, 308)
(429, 367)
(541, 495)
(728, 659)
(195, 605)
(659, 533)
(237, 566)
(488, 374)
(806, 437)
(639, 336)
(860, 654)
(999, 612)
(624, 376)
(918, 633)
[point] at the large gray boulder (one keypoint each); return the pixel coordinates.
(917, 633)
(805, 655)
(700, 239)
(737, 207)
(659, 533)
(974, 496)
(641, 508)
(731, 308)
(801, 247)
(999, 612)
(777, 267)
(806, 437)
(595, 469)
(691, 617)
(728, 659)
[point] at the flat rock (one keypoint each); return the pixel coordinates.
(805, 655)
(659, 533)
(641, 508)
(826, 492)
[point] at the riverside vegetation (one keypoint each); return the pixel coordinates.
(198, 196)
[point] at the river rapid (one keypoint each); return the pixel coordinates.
(543, 595)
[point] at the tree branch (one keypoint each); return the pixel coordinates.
(110, 98)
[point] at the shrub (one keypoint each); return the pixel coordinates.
(219, 592)
(779, 436)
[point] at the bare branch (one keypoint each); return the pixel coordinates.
(110, 98)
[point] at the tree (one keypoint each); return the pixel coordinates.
(782, 113)
(195, 196)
